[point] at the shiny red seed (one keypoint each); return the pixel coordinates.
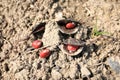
(44, 53)
(70, 25)
(36, 44)
(72, 48)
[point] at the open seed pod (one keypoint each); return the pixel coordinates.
(62, 26)
(74, 42)
(38, 28)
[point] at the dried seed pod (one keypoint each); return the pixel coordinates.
(75, 43)
(64, 50)
(62, 26)
(38, 28)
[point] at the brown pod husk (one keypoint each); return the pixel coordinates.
(72, 41)
(63, 29)
(38, 28)
(64, 50)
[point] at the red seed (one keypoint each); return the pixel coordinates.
(36, 44)
(44, 53)
(70, 25)
(72, 47)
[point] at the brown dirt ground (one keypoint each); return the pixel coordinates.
(18, 18)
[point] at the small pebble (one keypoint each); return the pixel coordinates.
(85, 72)
(56, 75)
(114, 65)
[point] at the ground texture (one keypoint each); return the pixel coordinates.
(99, 60)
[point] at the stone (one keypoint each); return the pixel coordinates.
(114, 63)
(51, 35)
(85, 72)
(56, 75)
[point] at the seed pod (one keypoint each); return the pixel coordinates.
(62, 26)
(75, 50)
(38, 28)
(73, 41)
(71, 48)
(64, 50)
